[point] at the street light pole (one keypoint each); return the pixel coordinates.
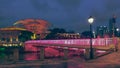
(91, 48)
(90, 20)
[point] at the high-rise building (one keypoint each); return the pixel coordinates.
(112, 27)
(102, 31)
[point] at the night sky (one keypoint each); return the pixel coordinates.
(67, 14)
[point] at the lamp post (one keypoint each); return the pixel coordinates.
(117, 32)
(91, 20)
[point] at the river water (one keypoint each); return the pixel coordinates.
(34, 57)
(75, 61)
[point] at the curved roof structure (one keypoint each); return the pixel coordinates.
(13, 28)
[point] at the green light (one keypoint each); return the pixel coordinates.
(2, 49)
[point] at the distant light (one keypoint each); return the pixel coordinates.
(16, 23)
(10, 44)
(117, 29)
(104, 26)
(93, 31)
(78, 33)
(20, 44)
(34, 36)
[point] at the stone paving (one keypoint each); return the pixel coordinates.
(111, 60)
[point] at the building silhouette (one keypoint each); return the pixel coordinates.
(112, 26)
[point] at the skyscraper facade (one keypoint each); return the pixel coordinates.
(102, 31)
(112, 27)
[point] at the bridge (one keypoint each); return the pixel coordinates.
(65, 44)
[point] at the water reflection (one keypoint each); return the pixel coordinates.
(61, 65)
(2, 57)
(65, 65)
(31, 56)
(35, 56)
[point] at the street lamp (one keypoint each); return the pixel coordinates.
(91, 20)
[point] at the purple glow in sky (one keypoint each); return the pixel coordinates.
(68, 14)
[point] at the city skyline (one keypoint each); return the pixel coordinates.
(69, 14)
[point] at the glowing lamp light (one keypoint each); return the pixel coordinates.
(117, 29)
(90, 19)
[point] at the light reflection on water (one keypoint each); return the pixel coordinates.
(22, 56)
(61, 65)
(29, 57)
(35, 56)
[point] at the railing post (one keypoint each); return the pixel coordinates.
(42, 53)
(115, 44)
(65, 53)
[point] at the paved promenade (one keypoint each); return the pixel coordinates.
(111, 60)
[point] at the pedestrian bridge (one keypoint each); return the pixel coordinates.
(99, 43)
(66, 44)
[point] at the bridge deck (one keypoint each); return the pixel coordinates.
(100, 43)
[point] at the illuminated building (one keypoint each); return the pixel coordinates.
(112, 27)
(68, 35)
(9, 36)
(42, 35)
(102, 31)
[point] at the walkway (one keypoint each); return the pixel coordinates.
(108, 61)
